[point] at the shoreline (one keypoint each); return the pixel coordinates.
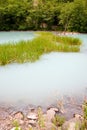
(64, 32)
(67, 106)
(30, 116)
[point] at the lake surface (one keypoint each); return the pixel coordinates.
(43, 82)
(6, 37)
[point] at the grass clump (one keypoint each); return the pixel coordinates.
(30, 51)
(58, 120)
(68, 40)
(84, 122)
(41, 121)
(16, 125)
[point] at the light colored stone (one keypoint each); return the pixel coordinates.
(18, 115)
(50, 115)
(78, 116)
(73, 124)
(54, 109)
(32, 122)
(32, 116)
(50, 126)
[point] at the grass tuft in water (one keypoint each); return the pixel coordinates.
(30, 51)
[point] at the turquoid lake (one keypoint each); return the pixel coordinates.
(46, 80)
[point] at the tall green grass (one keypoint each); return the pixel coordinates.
(30, 51)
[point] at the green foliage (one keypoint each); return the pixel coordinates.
(85, 110)
(84, 122)
(30, 51)
(18, 128)
(31, 128)
(58, 120)
(15, 123)
(73, 16)
(43, 15)
(41, 120)
(68, 40)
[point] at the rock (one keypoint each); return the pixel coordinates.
(78, 116)
(54, 109)
(32, 123)
(18, 115)
(32, 116)
(73, 124)
(50, 115)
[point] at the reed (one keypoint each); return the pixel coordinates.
(30, 51)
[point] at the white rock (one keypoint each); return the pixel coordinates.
(32, 116)
(54, 109)
(32, 122)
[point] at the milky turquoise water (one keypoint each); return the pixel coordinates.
(6, 37)
(51, 77)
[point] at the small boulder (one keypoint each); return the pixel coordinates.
(32, 123)
(32, 116)
(54, 109)
(19, 115)
(50, 114)
(73, 124)
(78, 116)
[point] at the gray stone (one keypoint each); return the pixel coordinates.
(73, 124)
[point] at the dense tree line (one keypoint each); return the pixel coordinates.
(66, 15)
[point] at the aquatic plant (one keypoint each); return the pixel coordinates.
(15, 123)
(41, 121)
(58, 120)
(84, 122)
(30, 51)
(68, 40)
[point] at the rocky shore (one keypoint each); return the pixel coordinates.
(62, 116)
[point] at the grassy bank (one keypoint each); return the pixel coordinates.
(30, 51)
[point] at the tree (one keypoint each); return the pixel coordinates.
(73, 16)
(65, 15)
